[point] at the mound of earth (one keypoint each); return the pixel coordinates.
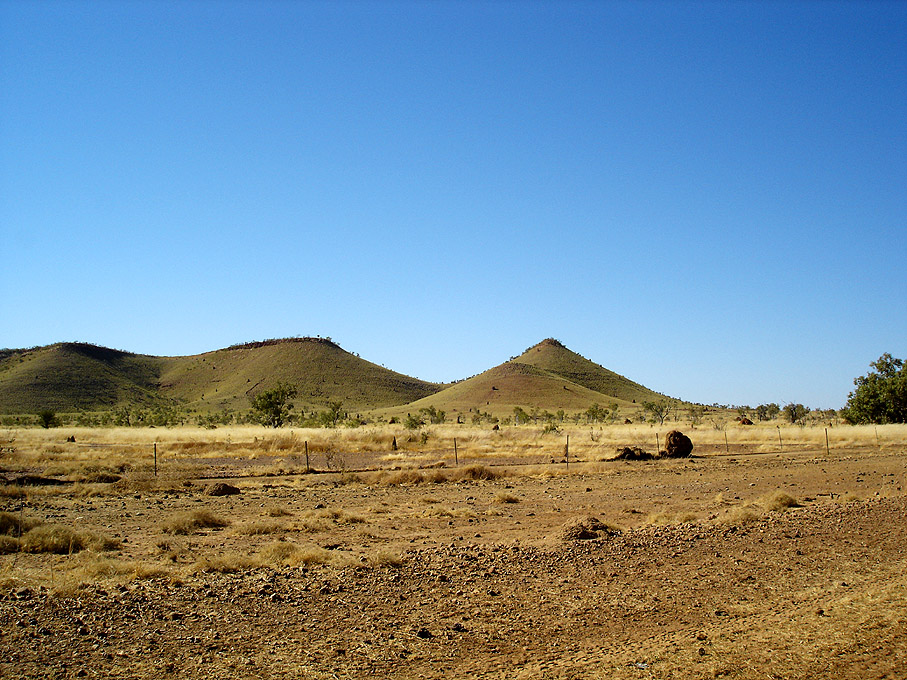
(222, 489)
(632, 453)
(677, 445)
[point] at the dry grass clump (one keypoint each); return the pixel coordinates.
(780, 501)
(435, 475)
(384, 558)
(504, 497)
(8, 544)
(190, 522)
(441, 511)
(277, 511)
(63, 540)
(21, 534)
(93, 566)
(412, 477)
(740, 515)
(285, 553)
(477, 473)
(260, 528)
(16, 525)
(324, 519)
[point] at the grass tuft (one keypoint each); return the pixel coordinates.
(190, 522)
(779, 501)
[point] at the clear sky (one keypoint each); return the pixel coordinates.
(707, 197)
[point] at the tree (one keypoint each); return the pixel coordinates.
(272, 407)
(520, 417)
(331, 417)
(47, 418)
(795, 412)
(435, 416)
(767, 411)
(659, 409)
(595, 414)
(881, 395)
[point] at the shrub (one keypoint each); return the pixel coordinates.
(190, 522)
(881, 395)
(780, 501)
(63, 540)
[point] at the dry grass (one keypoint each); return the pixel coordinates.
(191, 522)
(505, 497)
(285, 553)
(740, 515)
(259, 528)
(384, 558)
(28, 535)
(779, 501)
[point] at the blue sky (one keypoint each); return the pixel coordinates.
(707, 197)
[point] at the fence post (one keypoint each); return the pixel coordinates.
(307, 468)
(155, 459)
(826, 442)
(727, 447)
(456, 457)
(780, 443)
(567, 452)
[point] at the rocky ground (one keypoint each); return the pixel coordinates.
(694, 570)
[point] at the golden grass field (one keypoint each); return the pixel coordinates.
(754, 558)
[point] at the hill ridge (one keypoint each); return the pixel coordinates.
(74, 376)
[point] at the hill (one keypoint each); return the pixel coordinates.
(321, 370)
(74, 376)
(70, 377)
(546, 376)
(551, 356)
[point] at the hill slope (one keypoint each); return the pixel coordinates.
(76, 376)
(70, 377)
(551, 356)
(547, 376)
(320, 369)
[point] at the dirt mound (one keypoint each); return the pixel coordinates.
(222, 489)
(586, 529)
(677, 445)
(632, 453)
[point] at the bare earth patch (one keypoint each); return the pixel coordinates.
(775, 566)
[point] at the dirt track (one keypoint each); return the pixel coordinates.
(490, 587)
